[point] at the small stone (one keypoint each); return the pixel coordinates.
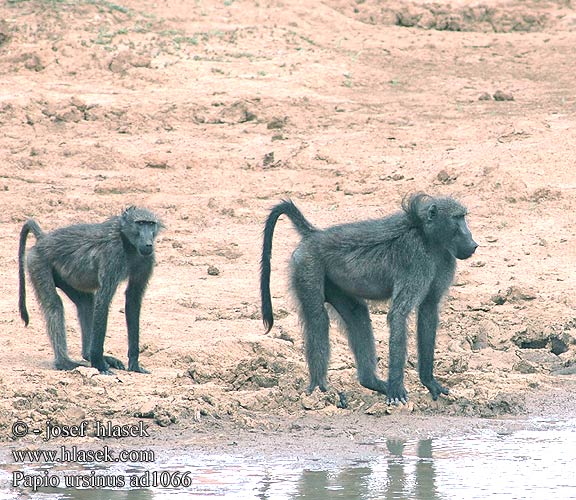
(156, 163)
(446, 178)
(314, 401)
(70, 114)
(517, 294)
(378, 409)
(524, 367)
(86, 371)
(276, 123)
(401, 409)
(5, 32)
(126, 59)
(557, 346)
(498, 299)
(268, 159)
(78, 103)
(146, 410)
(163, 420)
(502, 96)
(33, 62)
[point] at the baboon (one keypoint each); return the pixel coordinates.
(88, 262)
(408, 257)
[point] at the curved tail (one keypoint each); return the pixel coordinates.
(302, 225)
(30, 225)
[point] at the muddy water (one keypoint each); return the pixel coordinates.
(539, 463)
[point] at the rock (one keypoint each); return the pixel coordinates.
(237, 112)
(265, 381)
(70, 114)
(5, 33)
(540, 358)
(378, 409)
(146, 410)
(314, 401)
(486, 333)
(498, 299)
(557, 345)
(479, 341)
(268, 159)
(513, 294)
(277, 123)
(403, 409)
(164, 420)
(524, 366)
(407, 18)
(544, 194)
(503, 404)
(198, 373)
(458, 364)
(446, 178)
(33, 62)
(381, 408)
(517, 294)
(126, 59)
(78, 103)
(156, 163)
(565, 370)
(502, 96)
(86, 371)
(69, 416)
(531, 338)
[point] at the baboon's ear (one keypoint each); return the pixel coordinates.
(127, 212)
(432, 212)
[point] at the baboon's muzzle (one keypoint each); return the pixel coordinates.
(146, 250)
(468, 252)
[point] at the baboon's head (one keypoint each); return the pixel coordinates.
(140, 227)
(443, 221)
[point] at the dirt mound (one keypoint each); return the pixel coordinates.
(504, 17)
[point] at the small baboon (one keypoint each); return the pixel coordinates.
(408, 257)
(88, 262)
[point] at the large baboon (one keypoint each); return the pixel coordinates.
(88, 262)
(408, 257)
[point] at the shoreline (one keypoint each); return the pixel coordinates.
(342, 435)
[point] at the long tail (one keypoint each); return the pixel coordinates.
(302, 226)
(30, 225)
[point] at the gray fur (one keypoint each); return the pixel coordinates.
(408, 257)
(88, 262)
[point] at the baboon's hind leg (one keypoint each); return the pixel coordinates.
(84, 303)
(354, 312)
(308, 288)
(43, 281)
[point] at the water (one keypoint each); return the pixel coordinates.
(539, 463)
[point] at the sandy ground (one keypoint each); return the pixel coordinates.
(208, 113)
